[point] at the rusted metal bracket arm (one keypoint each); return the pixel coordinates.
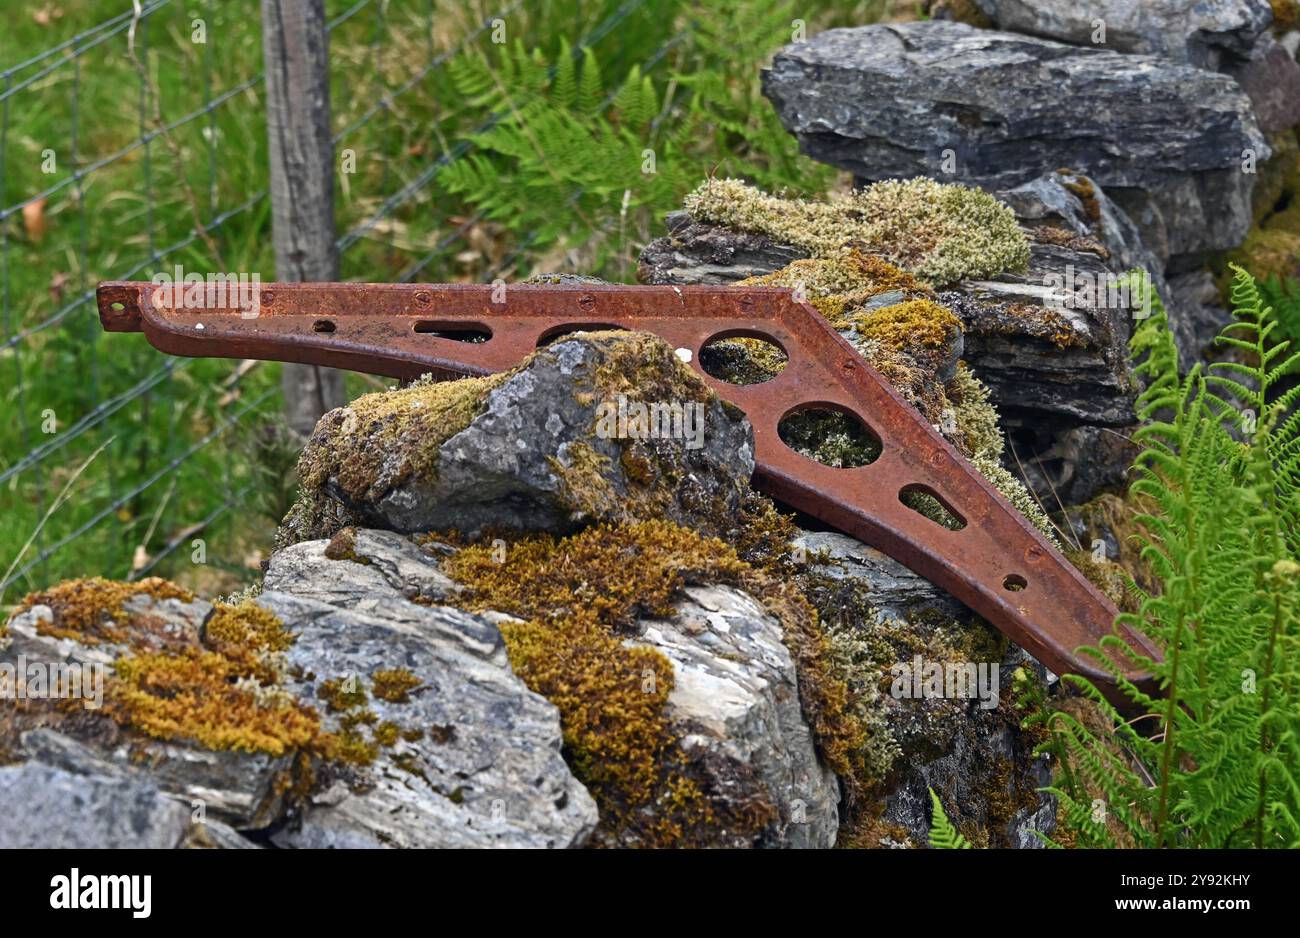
(997, 564)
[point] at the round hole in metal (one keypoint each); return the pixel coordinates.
(1014, 582)
(743, 359)
(322, 325)
(829, 435)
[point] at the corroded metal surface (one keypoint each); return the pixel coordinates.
(997, 564)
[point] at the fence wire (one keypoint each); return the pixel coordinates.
(136, 144)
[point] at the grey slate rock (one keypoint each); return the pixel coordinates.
(487, 770)
(237, 788)
(895, 590)
(1164, 140)
(65, 795)
(735, 702)
(1271, 79)
(1203, 33)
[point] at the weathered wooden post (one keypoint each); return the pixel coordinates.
(295, 48)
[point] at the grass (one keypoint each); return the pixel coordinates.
(192, 448)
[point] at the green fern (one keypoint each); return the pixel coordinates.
(943, 836)
(564, 154)
(728, 100)
(1216, 762)
(1283, 295)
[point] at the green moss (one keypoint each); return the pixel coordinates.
(830, 437)
(584, 592)
(942, 233)
(976, 420)
(1269, 251)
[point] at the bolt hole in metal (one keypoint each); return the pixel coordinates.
(559, 332)
(1014, 582)
(471, 333)
(931, 507)
(118, 307)
(829, 435)
(322, 325)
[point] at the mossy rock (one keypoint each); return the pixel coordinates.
(595, 427)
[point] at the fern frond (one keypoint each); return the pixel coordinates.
(943, 836)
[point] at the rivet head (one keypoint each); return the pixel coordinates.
(587, 301)
(422, 298)
(268, 297)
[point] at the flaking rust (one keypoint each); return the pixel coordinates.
(997, 563)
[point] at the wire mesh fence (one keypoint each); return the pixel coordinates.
(137, 144)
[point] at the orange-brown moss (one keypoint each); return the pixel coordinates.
(394, 684)
(1286, 15)
(91, 610)
(584, 591)
(199, 697)
(909, 327)
(215, 689)
(343, 546)
(246, 628)
(1086, 192)
(342, 694)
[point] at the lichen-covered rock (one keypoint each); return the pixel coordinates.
(976, 756)
(894, 590)
(695, 690)
(996, 109)
(1204, 33)
(460, 752)
(941, 233)
(1056, 364)
(95, 624)
(735, 702)
(342, 707)
(1053, 367)
(594, 427)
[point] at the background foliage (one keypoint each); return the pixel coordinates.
(473, 160)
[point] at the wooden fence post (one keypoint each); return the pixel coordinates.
(295, 49)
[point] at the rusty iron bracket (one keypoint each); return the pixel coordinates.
(997, 564)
